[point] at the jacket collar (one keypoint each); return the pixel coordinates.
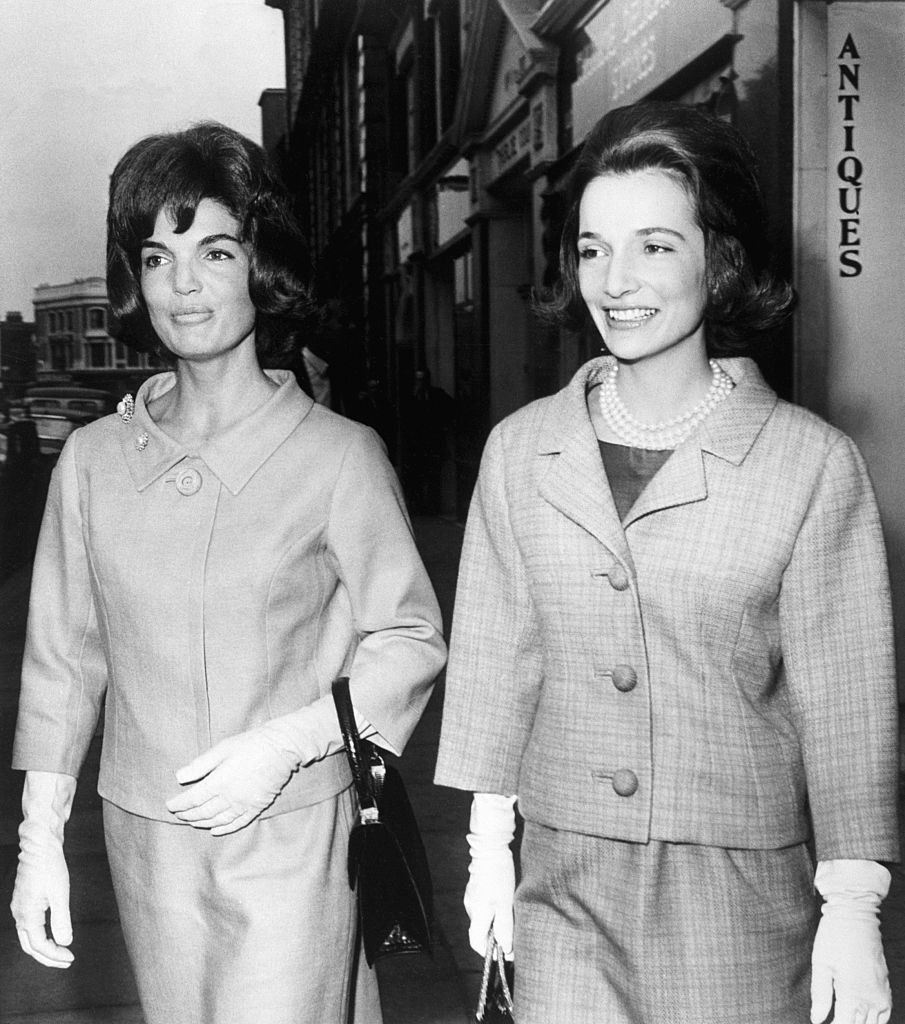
(234, 456)
(728, 433)
(576, 482)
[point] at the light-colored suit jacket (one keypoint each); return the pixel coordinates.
(716, 669)
(200, 593)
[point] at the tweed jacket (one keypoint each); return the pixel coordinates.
(716, 669)
(201, 593)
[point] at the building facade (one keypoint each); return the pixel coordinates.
(75, 336)
(430, 144)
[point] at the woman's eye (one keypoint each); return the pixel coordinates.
(655, 247)
(154, 260)
(589, 253)
(218, 255)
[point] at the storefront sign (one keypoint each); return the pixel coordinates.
(512, 148)
(866, 152)
(631, 46)
(865, 225)
(849, 169)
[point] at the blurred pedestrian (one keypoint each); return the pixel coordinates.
(211, 559)
(672, 644)
(373, 409)
(427, 418)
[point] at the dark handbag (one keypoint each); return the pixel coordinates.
(387, 862)
(495, 999)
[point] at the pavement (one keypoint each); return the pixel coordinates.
(415, 989)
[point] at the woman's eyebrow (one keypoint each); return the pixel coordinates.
(220, 237)
(643, 232)
(150, 243)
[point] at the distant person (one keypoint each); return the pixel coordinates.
(211, 560)
(373, 409)
(672, 642)
(427, 418)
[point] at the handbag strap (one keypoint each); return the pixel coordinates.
(355, 749)
(493, 958)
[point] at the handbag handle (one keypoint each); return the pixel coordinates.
(493, 957)
(358, 760)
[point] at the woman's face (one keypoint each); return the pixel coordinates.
(641, 264)
(195, 284)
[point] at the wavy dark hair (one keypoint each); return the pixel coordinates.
(174, 172)
(717, 168)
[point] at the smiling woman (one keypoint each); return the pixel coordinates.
(211, 559)
(666, 577)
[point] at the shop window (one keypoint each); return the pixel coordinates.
(97, 319)
(462, 275)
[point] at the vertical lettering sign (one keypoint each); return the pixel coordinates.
(850, 168)
(865, 225)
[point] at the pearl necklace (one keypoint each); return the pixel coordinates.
(667, 433)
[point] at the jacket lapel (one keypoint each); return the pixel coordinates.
(575, 483)
(679, 481)
(728, 433)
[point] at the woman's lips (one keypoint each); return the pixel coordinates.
(191, 316)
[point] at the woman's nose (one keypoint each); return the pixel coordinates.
(185, 280)
(621, 277)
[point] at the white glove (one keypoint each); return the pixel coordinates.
(848, 951)
(241, 776)
(490, 893)
(42, 879)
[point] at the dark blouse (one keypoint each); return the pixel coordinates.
(629, 470)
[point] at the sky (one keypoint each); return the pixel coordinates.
(80, 81)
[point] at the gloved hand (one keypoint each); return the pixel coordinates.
(490, 893)
(42, 879)
(238, 778)
(848, 951)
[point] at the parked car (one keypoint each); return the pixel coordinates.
(66, 398)
(54, 427)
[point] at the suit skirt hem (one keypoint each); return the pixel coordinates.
(671, 933)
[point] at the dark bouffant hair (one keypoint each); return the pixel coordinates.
(716, 167)
(174, 172)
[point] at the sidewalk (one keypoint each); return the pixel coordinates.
(99, 987)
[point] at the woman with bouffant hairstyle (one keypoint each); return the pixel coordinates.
(715, 166)
(212, 558)
(174, 172)
(672, 641)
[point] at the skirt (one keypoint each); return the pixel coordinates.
(661, 933)
(257, 927)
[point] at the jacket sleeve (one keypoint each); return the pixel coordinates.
(64, 670)
(496, 663)
(837, 642)
(401, 649)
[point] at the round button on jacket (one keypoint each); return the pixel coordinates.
(188, 481)
(625, 678)
(618, 578)
(625, 782)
